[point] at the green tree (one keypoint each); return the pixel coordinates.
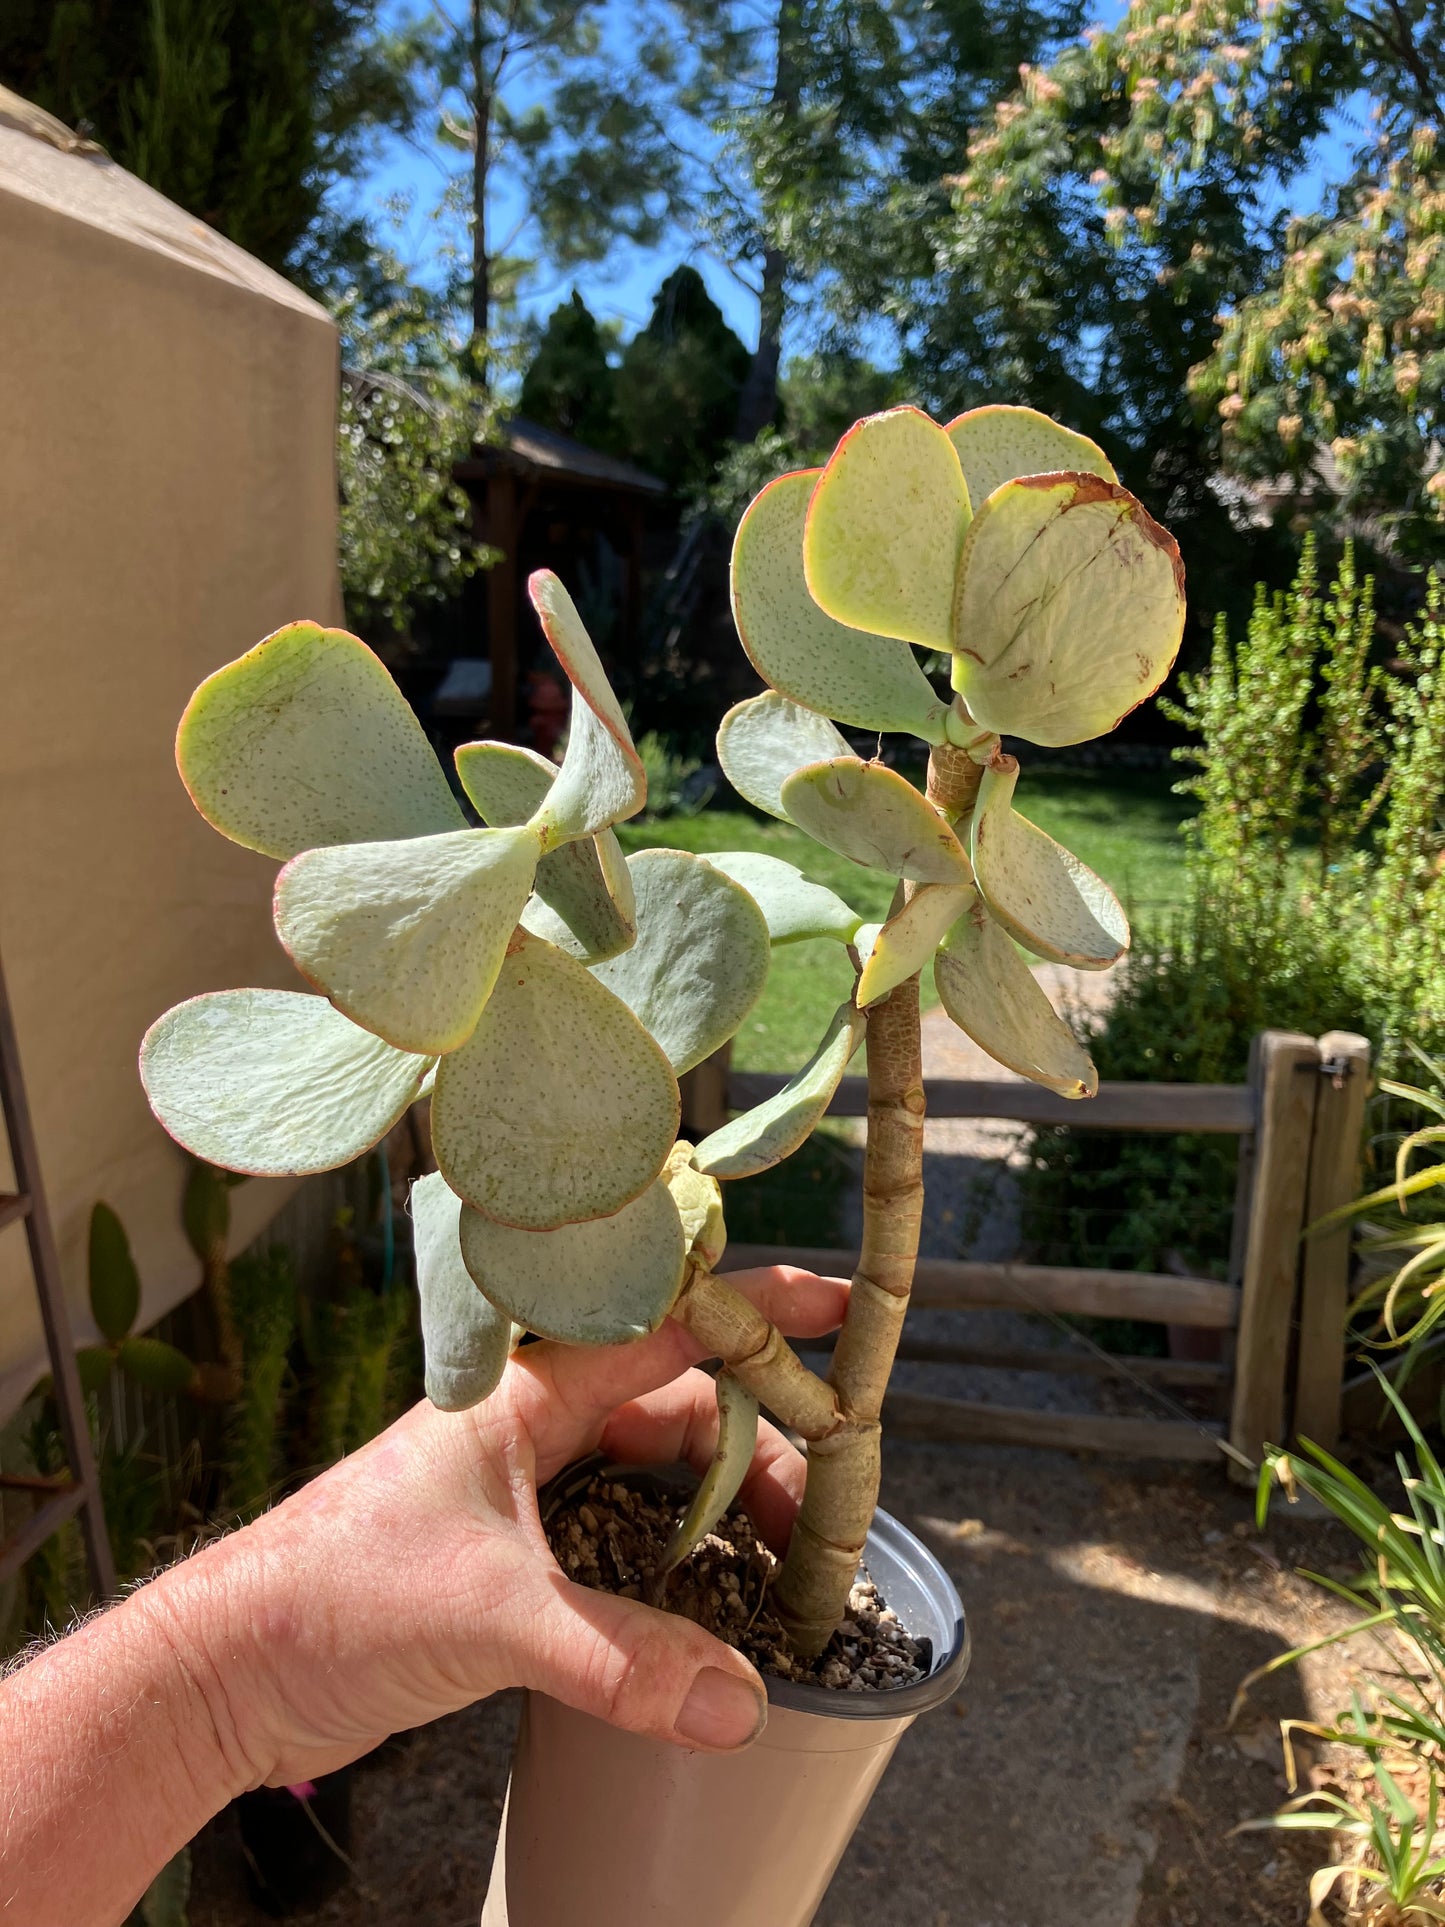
(1160, 151)
(406, 414)
(245, 114)
(523, 102)
(571, 383)
(679, 383)
(805, 130)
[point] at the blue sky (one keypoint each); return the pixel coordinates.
(621, 288)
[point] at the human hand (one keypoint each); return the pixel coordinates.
(414, 1577)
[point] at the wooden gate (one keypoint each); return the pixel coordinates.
(1299, 1118)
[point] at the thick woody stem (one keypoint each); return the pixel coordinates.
(758, 1356)
(844, 1469)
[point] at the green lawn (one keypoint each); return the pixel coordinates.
(1124, 826)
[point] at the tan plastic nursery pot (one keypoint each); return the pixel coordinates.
(604, 1827)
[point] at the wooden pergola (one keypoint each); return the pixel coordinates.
(543, 500)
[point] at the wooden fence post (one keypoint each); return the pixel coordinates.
(1325, 1276)
(705, 1094)
(1287, 1081)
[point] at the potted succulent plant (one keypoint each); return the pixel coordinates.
(548, 995)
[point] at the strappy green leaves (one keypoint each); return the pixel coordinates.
(701, 956)
(1070, 608)
(773, 1130)
(272, 1082)
(885, 528)
(999, 443)
(601, 780)
(585, 892)
(599, 1283)
(990, 993)
(872, 682)
(737, 1441)
(795, 908)
(407, 938)
(761, 742)
(560, 1106)
(909, 939)
(466, 1340)
(305, 741)
(1039, 892)
(875, 816)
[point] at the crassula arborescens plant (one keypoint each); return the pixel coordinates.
(548, 994)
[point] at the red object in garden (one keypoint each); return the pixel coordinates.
(546, 711)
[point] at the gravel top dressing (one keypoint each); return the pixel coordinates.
(612, 1538)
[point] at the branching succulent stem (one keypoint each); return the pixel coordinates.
(844, 1469)
(758, 1356)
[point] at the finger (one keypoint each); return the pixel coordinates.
(680, 1422)
(646, 1671)
(568, 1390)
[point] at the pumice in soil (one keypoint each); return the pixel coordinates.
(612, 1538)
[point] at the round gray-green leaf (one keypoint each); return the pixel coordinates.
(559, 1106)
(600, 1283)
(872, 682)
(773, 1130)
(407, 938)
(584, 892)
(306, 740)
(601, 780)
(762, 741)
(1070, 608)
(795, 908)
(467, 1341)
(505, 783)
(992, 995)
(885, 526)
(584, 902)
(274, 1083)
(1039, 891)
(1000, 442)
(905, 943)
(701, 956)
(875, 816)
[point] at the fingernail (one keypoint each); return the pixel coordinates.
(721, 1710)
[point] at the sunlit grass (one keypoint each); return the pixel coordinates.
(1125, 826)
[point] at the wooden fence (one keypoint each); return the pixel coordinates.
(1281, 1312)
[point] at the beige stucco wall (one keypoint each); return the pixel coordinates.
(167, 497)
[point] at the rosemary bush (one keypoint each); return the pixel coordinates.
(1315, 902)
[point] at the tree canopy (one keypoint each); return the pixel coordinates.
(1121, 234)
(243, 114)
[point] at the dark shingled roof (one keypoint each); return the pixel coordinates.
(532, 449)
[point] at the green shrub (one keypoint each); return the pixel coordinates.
(1316, 902)
(263, 1303)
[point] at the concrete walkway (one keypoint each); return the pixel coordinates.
(1085, 1776)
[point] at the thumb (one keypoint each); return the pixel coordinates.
(646, 1671)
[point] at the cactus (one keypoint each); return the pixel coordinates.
(549, 995)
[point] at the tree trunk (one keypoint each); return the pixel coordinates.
(758, 402)
(481, 264)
